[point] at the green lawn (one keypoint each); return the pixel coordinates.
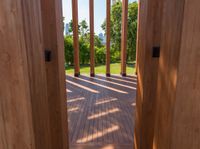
(101, 69)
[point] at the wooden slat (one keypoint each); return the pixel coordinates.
(178, 115)
(101, 119)
(138, 35)
(92, 52)
(149, 30)
(37, 74)
(186, 122)
(75, 37)
(16, 126)
(52, 22)
(167, 73)
(108, 5)
(124, 36)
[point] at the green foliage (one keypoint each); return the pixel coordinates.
(69, 50)
(82, 28)
(100, 55)
(84, 50)
(84, 46)
(132, 31)
(101, 69)
(100, 50)
(116, 19)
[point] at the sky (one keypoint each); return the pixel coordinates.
(83, 8)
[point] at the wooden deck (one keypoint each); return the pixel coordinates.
(101, 112)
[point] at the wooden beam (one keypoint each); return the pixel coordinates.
(31, 89)
(149, 30)
(186, 114)
(16, 125)
(92, 50)
(178, 114)
(168, 88)
(167, 74)
(108, 5)
(75, 37)
(37, 73)
(138, 36)
(124, 36)
(52, 21)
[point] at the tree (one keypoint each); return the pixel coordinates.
(132, 30)
(83, 27)
(69, 50)
(84, 45)
(116, 19)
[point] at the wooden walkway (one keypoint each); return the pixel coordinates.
(101, 112)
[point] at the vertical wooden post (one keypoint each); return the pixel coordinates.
(178, 111)
(16, 120)
(149, 31)
(37, 73)
(108, 4)
(138, 36)
(92, 50)
(75, 37)
(52, 21)
(124, 36)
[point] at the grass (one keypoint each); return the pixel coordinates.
(101, 69)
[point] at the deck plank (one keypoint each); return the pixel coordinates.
(100, 117)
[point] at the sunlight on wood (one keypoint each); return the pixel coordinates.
(98, 112)
(68, 91)
(98, 134)
(130, 87)
(109, 147)
(105, 101)
(103, 113)
(131, 78)
(133, 104)
(122, 80)
(97, 84)
(83, 87)
(75, 99)
(73, 109)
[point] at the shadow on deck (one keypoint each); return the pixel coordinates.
(101, 111)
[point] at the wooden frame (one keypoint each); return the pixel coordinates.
(32, 91)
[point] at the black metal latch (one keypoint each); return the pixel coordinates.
(47, 54)
(156, 52)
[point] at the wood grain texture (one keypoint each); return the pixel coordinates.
(177, 97)
(16, 126)
(178, 118)
(102, 119)
(108, 7)
(52, 22)
(124, 36)
(36, 71)
(168, 70)
(149, 30)
(92, 52)
(187, 106)
(75, 36)
(140, 72)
